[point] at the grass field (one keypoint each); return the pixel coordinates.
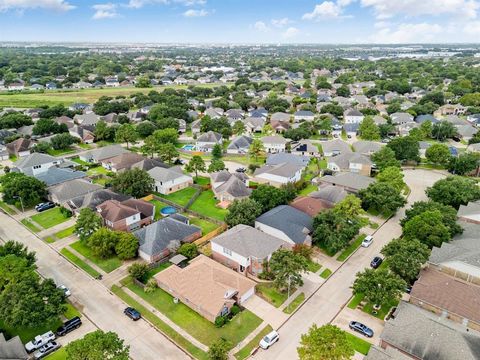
(294, 304)
(158, 206)
(206, 205)
(181, 197)
(268, 292)
(325, 273)
(30, 225)
(351, 248)
(60, 354)
(247, 349)
(7, 208)
(313, 266)
(107, 265)
(65, 232)
(368, 307)
(358, 344)
(205, 225)
(79, 262)
(49, 218)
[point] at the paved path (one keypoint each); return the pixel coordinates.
(99, 304)
(324, 306)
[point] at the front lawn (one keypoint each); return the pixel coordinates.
(65, 232)
(181, 197)
(205, 225)
(49, 218)
(196, 325)
(325, 273)
(107, 265)
(7, 208)
(308, 189)
(247, 349)
(29, 224)
(79, 262)
(151, 273)
(368, 307)
(60, 354)
(79, 161)
(351, 248)
(313, 266)
(206, 205)
(269, 293)
(59, 152)
(360, 345)
(290, 308)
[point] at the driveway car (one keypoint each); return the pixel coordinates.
(65, 290)
(361, 328)
(269, 339)
(44, 206)
(39, 341)
(69, 326)
(367, 241)
(132, 313)
(376, 262)
(46, 349)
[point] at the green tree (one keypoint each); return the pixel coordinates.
(238, 127)
(428, 228)
(343, 91)
(216, 165)
(143, 82)
(126, 133)
(368, 129)
(385, 157)
(405, 148)
(218, 350)
(18, 186)
(287, 268)
(256, 149)
(151, 146)
(393, 176)
(350, 207)
(11, 247)
(269, 197)
(405, 257)
(325, 342)
(454, 191)
(98, 345)
(332, 230)
(164, 136)
(443, 130)
(243, 211)
(138, 271)
(195, 165)
(189, 250)
(378, 286)
(87, 223)
(464, 163)
(62, 141)
(426, 128)
(167, 152)
(103, 242)
(382, 197)
(217, 151)
(145, 128)
(438, 154)
(102, 131)
(134, 182)
(126, 246)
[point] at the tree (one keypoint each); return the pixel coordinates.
(218, 350)
(87, 223)
(238, 127)
(438, 154)
(18, 186)
(103, 242)
(143, 82)
(343, 91)
(378, 286)
(164, 136)
(256, 149)
(332, 230)
(195, 165)
(464, 163)
(426, 128)
(335, 110)
(243, 211)
(443, 130)
(368, 129)
(405, 148)
(385, 157)
(189, 250)
(98, 345)
(126, 246)
(405, 257)
(62, 141)
(428, 228)
(350, 207)
(269, 197)
(382, 197)
(19, 250)
(325, 342)
(393, 176)
(138, 271)
(216, 165)
(145, 128)
(126, 133)
(217, 151)
(167, 152)
(133, 182)
(287, 268)
(48, 126)
(103, 131)
(454, 191)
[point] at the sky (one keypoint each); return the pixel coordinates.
(242, 21)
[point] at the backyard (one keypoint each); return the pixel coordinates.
(206, 205)
(181, 197)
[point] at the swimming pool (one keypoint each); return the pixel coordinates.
(168, 210)
(188, 147)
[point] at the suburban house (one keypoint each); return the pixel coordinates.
(353, 162)
(240, 145)
(309, 205)
(254, 124)
(228, 187)
(335, 147)
(92, 199)
(450, 109)
(169, 180)
(349, 181)
(287, 158)
(366, 147)
(13, 349)
(274, 144)
(352, 116)
(280, 126)
(206, 286)
(329, 195)
(20, 147)
(68, 190)
(280, 116)
(304, 147)
(157, 240)
(81, 132)
(106, 152)
(207, 141)
(128, 215)
(303, 115)
(278, 175)
(245, 249)
(401, 118)
(87, 119)
(148, 164)
(121, 162)
(286, 223)
(470, 212)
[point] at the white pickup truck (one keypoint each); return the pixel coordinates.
(39, 341)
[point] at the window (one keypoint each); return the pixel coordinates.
(227, 251)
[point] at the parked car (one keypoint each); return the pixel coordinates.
(361, 328)
(367, 241)
(69, 326)
(46, 349)
(376, 262)
(66, 290)
(44, 206)
(408, 289)
(39, 341)
(269, 339)
(241, 170)
(132, 313)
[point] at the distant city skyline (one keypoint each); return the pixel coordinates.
(246, 21)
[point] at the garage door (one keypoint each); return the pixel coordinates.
(247, 295)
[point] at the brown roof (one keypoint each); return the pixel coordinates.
(309, 205)
(146, 208)
(21, 144)
(124, 161)
(114, 210)
(204, 282)
(447, 293)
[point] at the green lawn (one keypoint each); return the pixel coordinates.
(107, 265)
(313, 266)
(158, 206)
(59, 152)
(294, 304)
(309, 189)
(60, 354)
(247, 349)
(196, 325)
(30, 225)
(97, 170)
(71, 312)
(85, 146)
(351, 248)
(383, 215)
(206, 205)
(50, 239)
(161, 325)
(7, 208)
(326, 273)
(181, 197)
(79, 262)
(65, 232)
(205, 225)
(368, 307)
(49, 218)
(356, 300)
(79, 162)
(360, 345)
(201, 180)
(268, 292)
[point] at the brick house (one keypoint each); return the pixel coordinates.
(128, 215)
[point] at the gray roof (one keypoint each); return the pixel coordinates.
(343, 161)
(93, 199)
(472, 208)
(148, 164)
(348, 179)
(12, 349)
(427, 336)
(284, 170)
(366, 147)
(248, 241)
(240, 143)
(274, 140)
(87, 119)
(56, 175)
(336, 145)
(210, 137)
(104, 152)
(71, 189)
(466, 130)
(280, 116)
(330, 193)
(352, 112)
(156, 237)
(304, 113)
(163, 174)
(377, 353)
(292, 222)
(282, 158)
(255, 122)
(35, 159)
(234, 187)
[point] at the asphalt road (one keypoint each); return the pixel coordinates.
(102, 307)
(329, 300)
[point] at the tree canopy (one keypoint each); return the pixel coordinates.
(325, 342)
(454, 191)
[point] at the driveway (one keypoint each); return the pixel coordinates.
(97, 303)
(265, 311)
(326, 304)
(347, 315)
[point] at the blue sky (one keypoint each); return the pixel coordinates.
(241, 21)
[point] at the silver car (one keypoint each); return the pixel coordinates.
(269, 339)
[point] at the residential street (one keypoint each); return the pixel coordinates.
(328, 301)
(103, 308)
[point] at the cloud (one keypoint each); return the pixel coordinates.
(472, 28)
(384, 9)
(291, 32)
(137, 4)
(195, 13)
(56, 5)
(407, 33)
(105, 11)
(325, 10)
(261, 26)
(281, 22)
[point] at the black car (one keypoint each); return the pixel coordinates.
(44, 206)
(241, 170)
(132, 313)
(362, 329)
(69, 326)
(376, 262)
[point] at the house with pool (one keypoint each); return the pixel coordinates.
(169, 180)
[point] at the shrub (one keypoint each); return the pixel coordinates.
(151, 286)
(220, 321)
(65, 212)
(138, 271)
(234, 310)
(189, 250)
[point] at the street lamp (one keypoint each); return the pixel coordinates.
(21, 202)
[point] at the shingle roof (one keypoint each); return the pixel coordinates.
(248, 241)
(280, 116)
(336, 145)
(343, 161)
(283, 170)
(105, 152)
(330, 193)
(93, 199)
(309, 205)
(472, 208)
(351, 180)
(163, 174)
(234, 187)
(274, 140)
(35, 159)
(282, 158)
(240, 143)
(12, 349)
(55, 175)
(148, 164)
(377, 353)
(71, 189)
(366, 147)
(210, 137)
